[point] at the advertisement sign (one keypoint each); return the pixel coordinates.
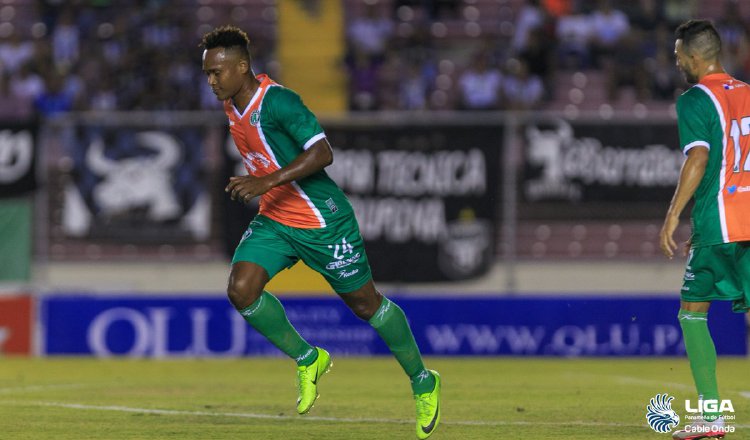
(426, 198)
(16, 325)
(17, 159)
(585, 162)
(137, 185)
(210, 327)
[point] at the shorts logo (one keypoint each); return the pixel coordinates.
(345, 274)
(247, 233)
(331, 205)
(254, 118)
(344, 254)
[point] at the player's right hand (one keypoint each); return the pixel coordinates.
(666, 236)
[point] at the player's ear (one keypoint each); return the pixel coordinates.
(244, 66)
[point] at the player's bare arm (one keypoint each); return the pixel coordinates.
(314, 159)
(690, 177)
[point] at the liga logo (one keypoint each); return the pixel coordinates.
(660, 415)
(662, 418)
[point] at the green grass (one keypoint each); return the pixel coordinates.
(254, 398)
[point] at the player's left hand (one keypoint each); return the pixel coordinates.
(244, 188)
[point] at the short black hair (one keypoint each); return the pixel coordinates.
(700, 37)
(228, 37)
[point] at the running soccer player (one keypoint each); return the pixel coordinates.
(304, 216)
(714, 126)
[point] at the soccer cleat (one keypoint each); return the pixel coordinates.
(307, 380)
(428, 409)
(701, 429)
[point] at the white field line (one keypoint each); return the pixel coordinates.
(172, 412)
(35, 388)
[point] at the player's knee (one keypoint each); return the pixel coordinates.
(363, 310)
(243, 291)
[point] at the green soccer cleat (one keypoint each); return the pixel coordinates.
(428, 409)
(307, 380)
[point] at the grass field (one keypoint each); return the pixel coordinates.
(254, 398)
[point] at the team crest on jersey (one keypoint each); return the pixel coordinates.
(254, 118)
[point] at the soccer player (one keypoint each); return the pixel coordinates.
(304, 216)
(714, 127)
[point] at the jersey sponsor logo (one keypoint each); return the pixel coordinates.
(253, 159)
(732, 189)
(255, 118)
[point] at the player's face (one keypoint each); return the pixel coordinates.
(225, 71)
(685, 62)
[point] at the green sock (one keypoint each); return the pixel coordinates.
(390, 323)
(701, 354)
(267, 316)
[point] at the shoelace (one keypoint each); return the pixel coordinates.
(302, 377)
(423, 405)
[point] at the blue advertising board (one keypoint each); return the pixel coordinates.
(479, 326)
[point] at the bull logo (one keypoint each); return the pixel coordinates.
(137, 182)
(545, 149)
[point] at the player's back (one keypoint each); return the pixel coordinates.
(722, 119)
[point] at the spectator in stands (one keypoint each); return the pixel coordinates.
(679, 11)
(66, 40)
(665, 79)
(363, 82)
(626, 68)
(26, 85)
(539, 57)
(435, 9)
(529, 19)
(734, 40)
(15, 52)
(389, 81)
(413, 88)
(559, 8)
(370, 32)
(480, 85)
(573, 34)
(521, 89)
(54, 100)
(609, 27)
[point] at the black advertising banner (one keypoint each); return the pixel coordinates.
(426, 198)
(620, 162)
(142, 185)
(17, 159)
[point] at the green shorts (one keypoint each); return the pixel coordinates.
(337, 251)
(720, 272)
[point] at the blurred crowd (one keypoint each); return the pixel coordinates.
(405, 57)
(63, 55)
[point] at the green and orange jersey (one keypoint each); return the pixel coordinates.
(715, 114)
(270, 133)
